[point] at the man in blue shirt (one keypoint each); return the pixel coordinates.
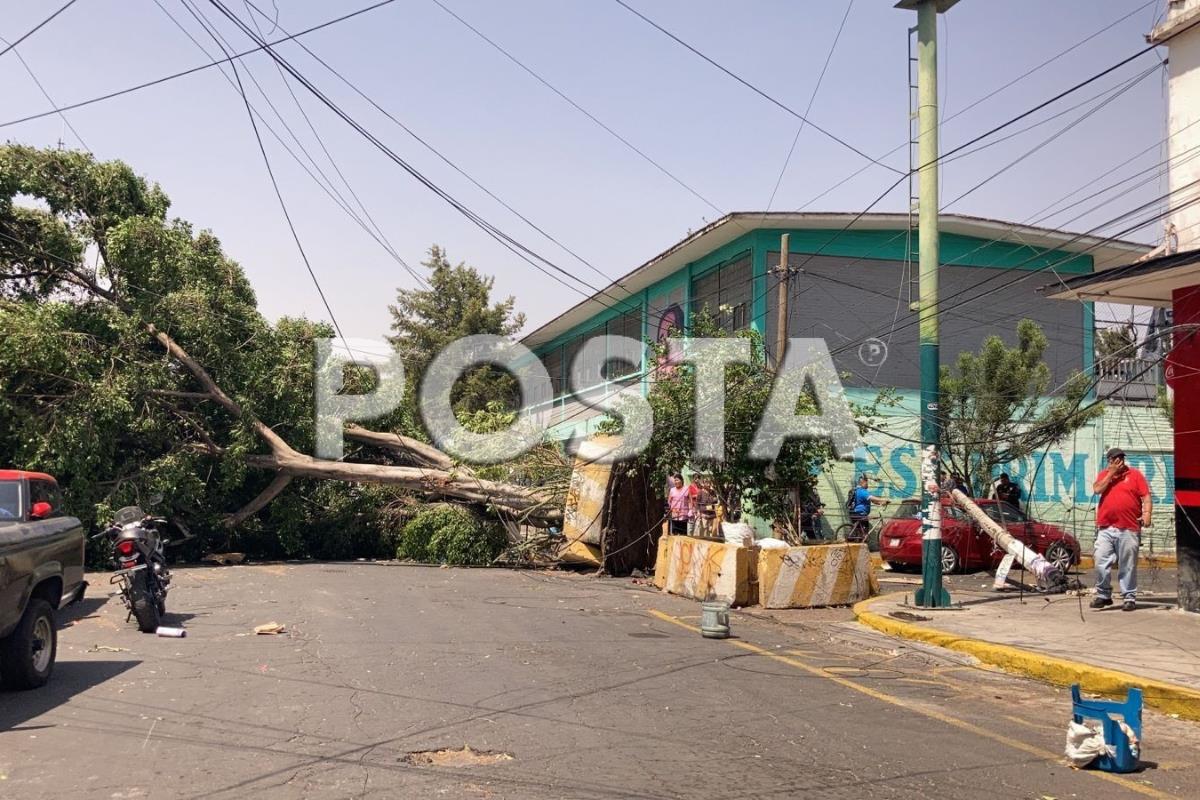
(860, 510)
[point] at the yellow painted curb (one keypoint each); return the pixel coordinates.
(1165, 697)
(1144, 562)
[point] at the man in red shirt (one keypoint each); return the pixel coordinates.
(1124, 510)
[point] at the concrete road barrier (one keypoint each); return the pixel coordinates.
(702, 569)
(821, 575)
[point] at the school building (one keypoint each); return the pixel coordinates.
(854, 284)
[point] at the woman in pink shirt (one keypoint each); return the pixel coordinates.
(681, 504)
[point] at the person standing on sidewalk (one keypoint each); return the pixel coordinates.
(681, 505)
(1124, 510)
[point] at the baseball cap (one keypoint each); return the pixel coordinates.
(1116, 452)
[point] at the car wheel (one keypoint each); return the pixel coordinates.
(950, 560)
(1060, 556)
(27, 654)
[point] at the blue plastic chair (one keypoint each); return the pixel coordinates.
(1129, 709)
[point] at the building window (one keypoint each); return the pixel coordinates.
(629, 325)
(553, 362)
(726, 294)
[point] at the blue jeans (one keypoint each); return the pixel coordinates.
(1121, 546)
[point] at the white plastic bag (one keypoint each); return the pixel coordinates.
(738, 534)
(772, 544)
(1084, 744)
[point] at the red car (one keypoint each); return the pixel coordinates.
(964, 544)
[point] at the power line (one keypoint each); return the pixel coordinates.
(321, 143)
(567, 99)
(987, 96)
(517, 248)
(988, 133)
(1077, 121)
(752, 87)
(439, 154)
(812, 99)
(271, 174)
(323, 182)
(45, 93)
(193, 70)
(37, 27)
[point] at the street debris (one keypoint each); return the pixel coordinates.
(467, 757)
(1084, 744)
(170, 633)
(104, 648)
(908, 616)
(224, 559)
(270, 629)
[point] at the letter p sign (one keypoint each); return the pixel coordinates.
(334, 409)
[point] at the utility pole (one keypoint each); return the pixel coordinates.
(931, 594)
(781, 313)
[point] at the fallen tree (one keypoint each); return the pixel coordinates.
(85, 387)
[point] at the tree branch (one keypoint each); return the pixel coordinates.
(277, 485)
(417, 451)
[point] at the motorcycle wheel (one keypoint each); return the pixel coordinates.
(145, 607)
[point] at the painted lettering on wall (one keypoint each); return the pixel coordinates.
(1061, 477)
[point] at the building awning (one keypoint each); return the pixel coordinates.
(1142, 283)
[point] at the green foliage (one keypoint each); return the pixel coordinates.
(740, 483)
(1165, 403)
(1119, 341)
(993, 406)
(456, 304)
(451, 534)
(87, 393)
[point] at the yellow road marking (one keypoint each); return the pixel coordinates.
(927, 712)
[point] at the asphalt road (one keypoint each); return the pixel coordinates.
(564, 686)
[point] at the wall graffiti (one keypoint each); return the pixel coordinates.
(1062, 477)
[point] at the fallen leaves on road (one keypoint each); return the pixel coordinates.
(224, 559)
(270, 629)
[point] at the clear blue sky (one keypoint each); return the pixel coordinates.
(545, 158)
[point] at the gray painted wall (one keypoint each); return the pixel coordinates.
(826, 302)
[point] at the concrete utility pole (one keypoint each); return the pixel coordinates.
(781, 333)
(931, 594)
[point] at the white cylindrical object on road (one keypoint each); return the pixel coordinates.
(173, 633)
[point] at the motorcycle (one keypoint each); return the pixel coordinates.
(141, 565)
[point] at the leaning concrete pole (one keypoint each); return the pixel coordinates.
(1035, 563)
(931, 594)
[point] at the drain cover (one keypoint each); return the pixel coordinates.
(467, 757)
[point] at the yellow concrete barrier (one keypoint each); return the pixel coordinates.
(821, 575)
(701, 569)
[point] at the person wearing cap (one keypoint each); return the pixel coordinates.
(1124, 510)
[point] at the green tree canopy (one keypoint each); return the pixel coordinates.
(766, 489)
(457, 303)
(995, 408)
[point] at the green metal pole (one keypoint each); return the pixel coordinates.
(931, 594)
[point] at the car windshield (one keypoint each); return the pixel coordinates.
(10, 501)
(909, 509)
(1003, 512)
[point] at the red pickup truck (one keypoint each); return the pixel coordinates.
(41, 570)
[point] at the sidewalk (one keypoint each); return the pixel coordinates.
(1057, 638)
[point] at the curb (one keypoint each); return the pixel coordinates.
(1165, 697)
(1085, 561)
(1147, 562)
